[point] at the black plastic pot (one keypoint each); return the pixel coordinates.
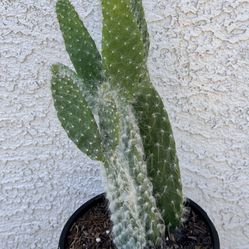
(100, 198)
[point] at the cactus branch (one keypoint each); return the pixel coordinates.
(74, 111)
(162, 161)
(123, 49)
(79, 45)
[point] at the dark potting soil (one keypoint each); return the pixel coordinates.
(93, 231)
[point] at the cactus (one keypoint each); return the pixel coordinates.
(131, 75)
(138, 11)
(80, 45)
(111, 111)
(123, 52)
(162, 161)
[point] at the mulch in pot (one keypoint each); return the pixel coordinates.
(93, 231)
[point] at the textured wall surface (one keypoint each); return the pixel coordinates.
(199, 62)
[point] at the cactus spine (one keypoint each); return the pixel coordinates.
(112, 112)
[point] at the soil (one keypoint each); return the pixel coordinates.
(93, 231)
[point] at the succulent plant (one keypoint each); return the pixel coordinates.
(111, 111)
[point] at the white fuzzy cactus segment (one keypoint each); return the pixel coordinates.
(133, 208)
(128, 230)
(133, 150)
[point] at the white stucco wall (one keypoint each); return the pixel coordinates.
(199, 62)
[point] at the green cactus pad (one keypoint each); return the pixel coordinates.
(133, 151)
(138, 11)
(162, 161)
(123, 48)
(79, 45)
(74, 112)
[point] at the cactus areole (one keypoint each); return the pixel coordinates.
(111, 111)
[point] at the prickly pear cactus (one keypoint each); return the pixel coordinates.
(125, 59)
(112, 112)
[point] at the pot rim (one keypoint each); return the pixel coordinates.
(213, 232)
(87, 205)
